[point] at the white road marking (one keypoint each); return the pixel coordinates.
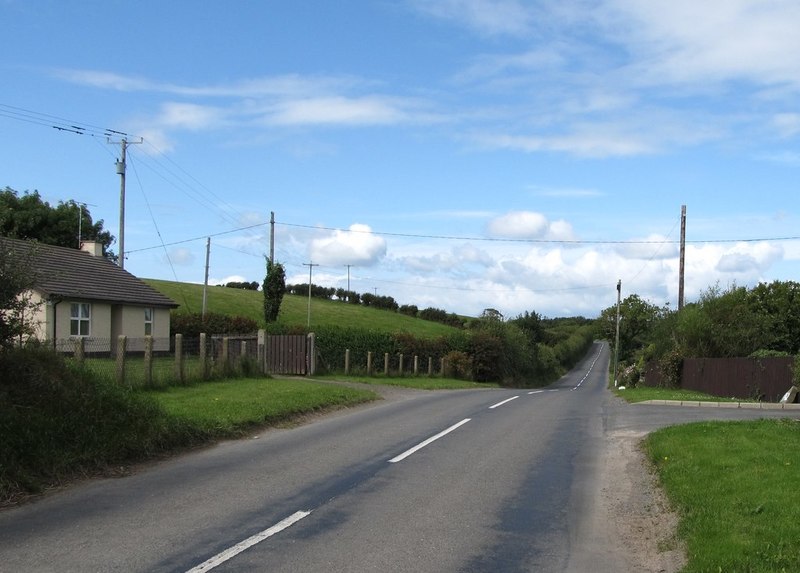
(248, 543)
(430, 440)
(503, 402)
(535, 392)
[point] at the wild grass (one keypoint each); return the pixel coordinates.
(294, 309)
(733, 484)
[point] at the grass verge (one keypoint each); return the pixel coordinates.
(228, 408)
(643, 393)
(733, 483)
(417, 383)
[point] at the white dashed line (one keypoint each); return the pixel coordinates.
(430, 440)
(231, 552)
(503, 402)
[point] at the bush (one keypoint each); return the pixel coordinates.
(193, 324)
(58, 421)
(457, 365)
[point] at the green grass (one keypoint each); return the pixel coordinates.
(418, 383)
(733, 484)
(294, 309)
(643, 393)
(229, 407)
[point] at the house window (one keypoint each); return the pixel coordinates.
(80, 317)
(148, 322)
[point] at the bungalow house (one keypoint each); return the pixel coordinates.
(80, 294)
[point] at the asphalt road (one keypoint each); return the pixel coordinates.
(485, 480)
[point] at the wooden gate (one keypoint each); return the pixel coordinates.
(287, 354)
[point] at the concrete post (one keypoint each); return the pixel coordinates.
(148, 361)
(346, 361)
(179, 358)
(203, 356)
(122, 342)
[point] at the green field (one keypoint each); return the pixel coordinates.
(294, 309)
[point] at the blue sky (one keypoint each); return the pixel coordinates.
(461, 154)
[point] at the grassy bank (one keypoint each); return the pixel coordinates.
(643, 393)
(230, 407)
(417, 383)
(733, 484)
(60, 422)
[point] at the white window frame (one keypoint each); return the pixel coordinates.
(80, 314)
(149, 321)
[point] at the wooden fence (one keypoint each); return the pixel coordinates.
(765, 379)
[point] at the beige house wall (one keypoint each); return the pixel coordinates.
(106, 324)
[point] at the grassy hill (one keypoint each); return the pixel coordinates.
(294, 309)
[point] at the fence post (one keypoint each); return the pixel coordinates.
(312, 354)
(122, 341)
(369, 363)
(400, 367)
(242, 353)
(262, 351)
(430, 365)
(203, 356)
(80, 350)
(179, 358)
(346, 361)
(441, 368)
(148, 360)
(225, 363)
(416, 365)
(386, 363)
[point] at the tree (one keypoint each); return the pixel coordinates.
(274, 289)
(638, 319)
(28, 217)
(17, 277)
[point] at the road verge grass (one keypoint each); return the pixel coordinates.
(644, 393)
(417, 383)
(231, 407)
(733, 485)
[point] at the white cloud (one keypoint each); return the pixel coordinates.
(691, 42)
(358, 247)
(529, 225)
(180, 256)
(787, 124)
(339, 110)
(489, 17)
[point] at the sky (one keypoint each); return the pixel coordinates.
(456, 154)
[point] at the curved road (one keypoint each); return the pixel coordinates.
(485, 480)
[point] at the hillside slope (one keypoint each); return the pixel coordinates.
(294, 309)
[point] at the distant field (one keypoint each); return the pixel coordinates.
(294, 309)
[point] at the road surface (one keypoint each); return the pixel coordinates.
(486, 480)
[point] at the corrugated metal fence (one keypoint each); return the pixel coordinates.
(766, 379)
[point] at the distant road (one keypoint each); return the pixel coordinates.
(485, 480)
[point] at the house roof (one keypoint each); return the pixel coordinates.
(70, 273)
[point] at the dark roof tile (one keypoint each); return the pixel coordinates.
(71, 273)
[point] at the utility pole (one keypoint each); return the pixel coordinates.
(310, 266)
(616, 344)
(205, 281)
(272, 238)
(121, 165)
(348, 277)
(682, 264)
